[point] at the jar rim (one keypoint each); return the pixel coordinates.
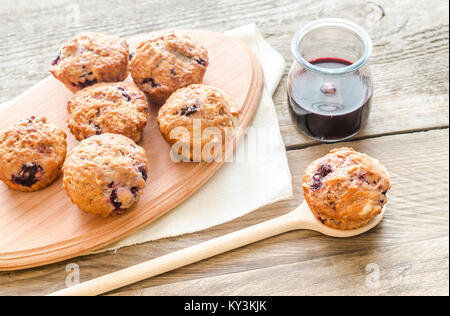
(362, 34)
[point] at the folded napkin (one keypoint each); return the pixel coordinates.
(244, 185)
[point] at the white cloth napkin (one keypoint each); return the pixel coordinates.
(241, 187)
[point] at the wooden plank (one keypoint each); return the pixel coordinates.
(417, 216)
(410, 67)
(409, 63)
(369, 272)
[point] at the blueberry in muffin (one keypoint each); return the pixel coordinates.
(202, 106)
(105, 174)
(346, 189)
(113, 107)
(90, 58)
(166, 62)
(32, 153)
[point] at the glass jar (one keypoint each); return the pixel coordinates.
(329, 84)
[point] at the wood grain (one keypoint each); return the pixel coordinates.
(409, 62)
(409, 65)
(410, 69)
(44, 227)
(406, 224)
(330, 275)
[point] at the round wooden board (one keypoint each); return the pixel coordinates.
(44, 227)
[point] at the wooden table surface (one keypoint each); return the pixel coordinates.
(408, 254)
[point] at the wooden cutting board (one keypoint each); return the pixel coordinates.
(44, 227)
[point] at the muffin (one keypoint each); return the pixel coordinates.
(105, 174)
(113, 107)
(198, 121)
(32, 153)
(90, 58)
(166, 62)
(346, 189)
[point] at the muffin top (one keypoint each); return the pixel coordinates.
(167, 61)
(89, 58)
(346, 189)
(105, 174)
(117, 107)
(31, 154)
(206, 105)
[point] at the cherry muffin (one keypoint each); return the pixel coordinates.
(114, 107)
(105, 174)
(32, 153)
(346, 189)
(90, 58)
(166, 62)
(197, 121)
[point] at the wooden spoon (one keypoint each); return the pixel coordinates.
(300, 218)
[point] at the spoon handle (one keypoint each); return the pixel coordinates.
(183, 257)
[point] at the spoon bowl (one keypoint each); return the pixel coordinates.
(307, 220)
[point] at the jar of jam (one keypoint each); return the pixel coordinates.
(329, 84)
